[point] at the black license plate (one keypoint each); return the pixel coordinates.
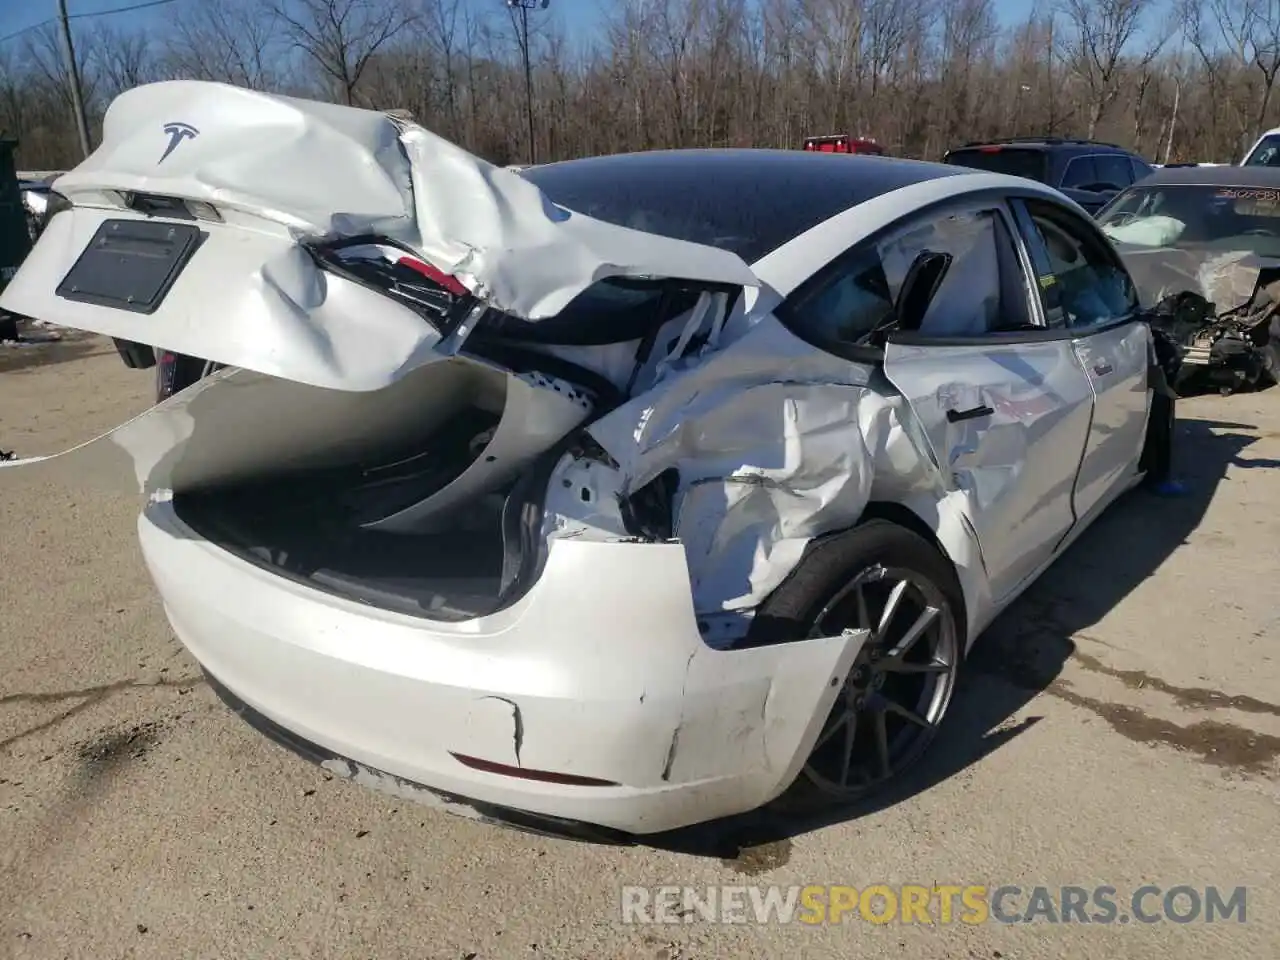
(131, 264)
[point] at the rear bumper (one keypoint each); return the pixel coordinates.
(464, 806)
(598, 672)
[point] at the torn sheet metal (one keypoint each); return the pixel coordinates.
(1227, 279)
(513, 248)
(1216, 306)
(323, 169)
(775, 443)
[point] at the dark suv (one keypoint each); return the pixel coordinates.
(1088, 172)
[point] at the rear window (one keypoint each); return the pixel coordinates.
(1265, 154)
(749, 202)
(1015, 161)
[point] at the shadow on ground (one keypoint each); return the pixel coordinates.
(1024, 650)
(74, 345)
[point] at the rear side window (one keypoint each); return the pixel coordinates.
(1265, 154)
(1081, 174)
(971, 300)
(1015, 161)
(854, 300)
(984, 291)
(1140, 169)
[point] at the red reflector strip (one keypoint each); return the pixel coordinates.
(524, 773)
(436, 276)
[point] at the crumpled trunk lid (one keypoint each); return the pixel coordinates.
(297, 168)
(231, 225)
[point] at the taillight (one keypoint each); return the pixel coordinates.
(435, 276)
(527, 773)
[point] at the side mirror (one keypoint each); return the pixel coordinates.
(919, 286)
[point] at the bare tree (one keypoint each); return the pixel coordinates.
(232, 41)
(1235, 38)
(969, 31)
(1100, 33)
(122, 60)
(342, 36)
(920, 75)
(439, 24)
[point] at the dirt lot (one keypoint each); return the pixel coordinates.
(1118, 727)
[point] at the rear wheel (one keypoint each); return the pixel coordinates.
(886, 579)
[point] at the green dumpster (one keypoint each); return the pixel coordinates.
(15, 240)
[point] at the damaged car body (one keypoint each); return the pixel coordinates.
(627, 492)
(1203, 246)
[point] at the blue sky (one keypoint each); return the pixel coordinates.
(584, 15)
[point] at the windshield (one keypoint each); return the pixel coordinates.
(1015, 161)
(1265, 154)
(1196, 217)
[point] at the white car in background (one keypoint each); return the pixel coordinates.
(1265, 152)
(604, 498)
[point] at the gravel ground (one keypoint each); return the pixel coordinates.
(1118, 727)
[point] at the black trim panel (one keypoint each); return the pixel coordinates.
(985, 340)
(975, 413)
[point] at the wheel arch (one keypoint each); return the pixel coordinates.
(904, 516)
(898, 514)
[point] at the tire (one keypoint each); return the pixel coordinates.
(1156, 459)
(892, 702)
(1270, 363)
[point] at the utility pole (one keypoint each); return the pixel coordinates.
(522, 28)
(77, 97)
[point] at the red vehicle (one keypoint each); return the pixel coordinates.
(840, 143)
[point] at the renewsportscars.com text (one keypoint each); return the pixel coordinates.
(933, 904)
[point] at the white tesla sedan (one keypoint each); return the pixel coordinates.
(603, 498)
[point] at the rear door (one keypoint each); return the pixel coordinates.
(1003, 401)
(1084, 286)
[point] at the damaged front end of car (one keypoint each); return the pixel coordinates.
(1221, 311)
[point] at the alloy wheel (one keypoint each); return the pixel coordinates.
(897, 689)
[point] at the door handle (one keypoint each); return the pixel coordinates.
(1102, 369)
(955, 416)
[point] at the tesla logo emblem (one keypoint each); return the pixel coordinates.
(177, 133)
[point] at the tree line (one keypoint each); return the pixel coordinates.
(1191, 82)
